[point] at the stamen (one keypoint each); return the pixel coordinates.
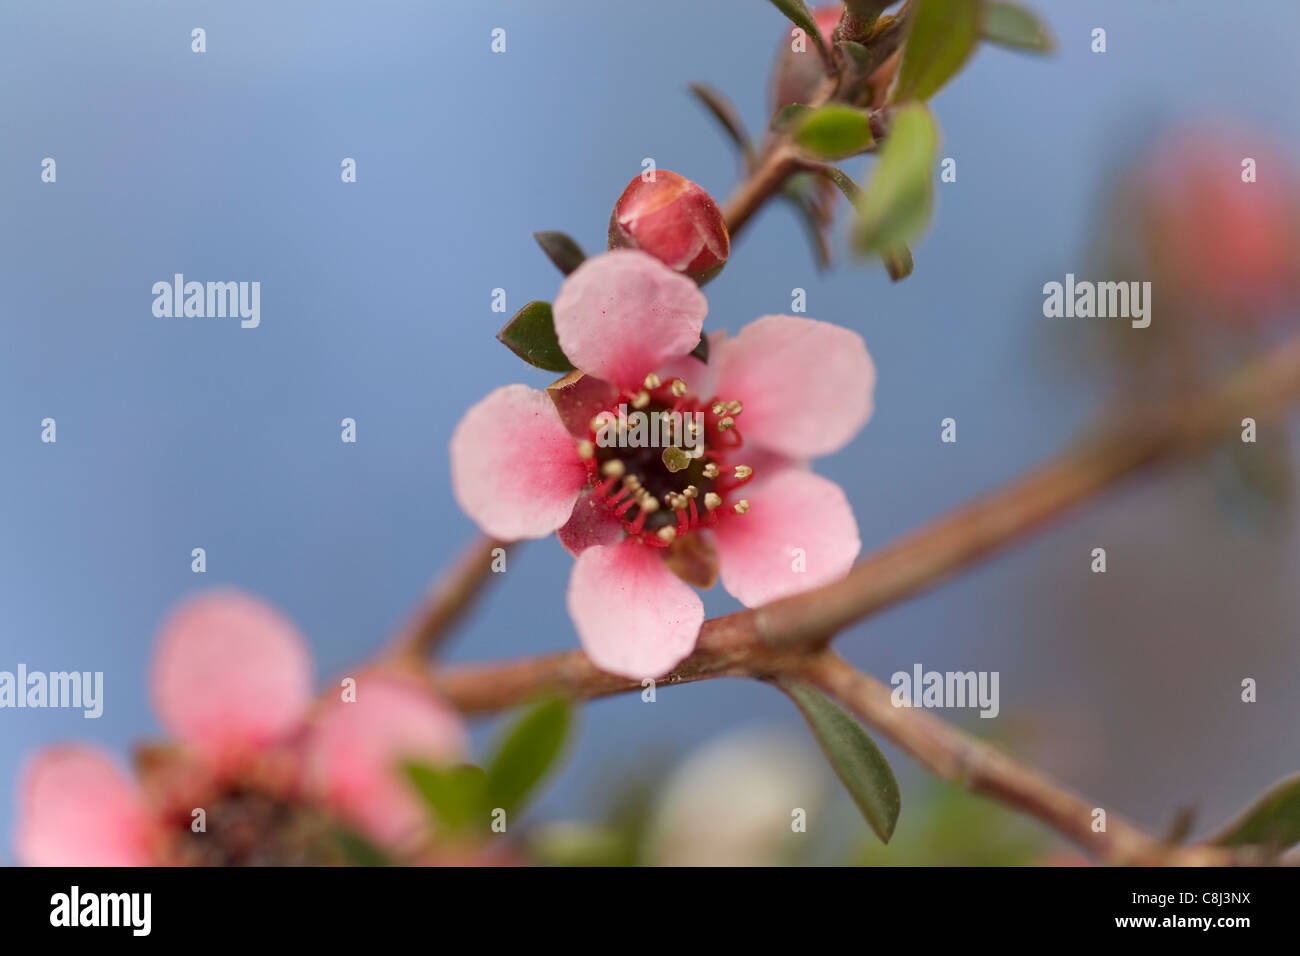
(735, 407)
(641, 400)
(678, 387)
(586, 450)
(743, 472)
(666, 534)
(612, 468)
(742, 506)
(711, 470)
(690, 491)
(726, 423)
(712, 500)
(719, 408)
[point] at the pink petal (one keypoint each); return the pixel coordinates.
(77, 808)
(635, 618)
(623, 314)
(700, 378)
(806, 385)
(355, 751)
(230, 675)
(787, 510)
(591, 523)
(514, 468)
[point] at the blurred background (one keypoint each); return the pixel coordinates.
(182, 433)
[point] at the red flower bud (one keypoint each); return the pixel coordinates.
(674, 220)
(799, 70)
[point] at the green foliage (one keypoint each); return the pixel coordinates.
(941, 38)
(834, 131)
(561, 250)
(798, 13)
(1272, 821)
(1010, 25)
(896, 204)
(531, 336)
(853, 755)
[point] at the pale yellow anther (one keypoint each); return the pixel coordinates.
(742, 506)
(712, 500)
(726, 423)
(612, 468)
(679, 387)
(642, 399)
(666, 533)
(743, 472)
(719, 408)
(711, 470)
(690, 491)
(735, 407)
(652, 381)
(648, 504)
(586, 450)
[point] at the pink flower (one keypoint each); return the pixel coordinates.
(643, 518)
(232, 684)
(674, 220)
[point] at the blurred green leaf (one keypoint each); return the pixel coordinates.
(802, 189)
(896, 204)
(834, 131)
(857, 54)
(1273, 820)
(531, 336)
(561, 250)
(1011, 25)
(853, 755)
(942, 35)
(798, 14)
(454, 795)
(726, 115)
(898, 261)
(526, 752)
(356, 849)
(786, 116)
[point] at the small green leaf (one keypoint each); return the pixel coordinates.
(834, 131)
(896, 204)
(798, 13)
(454, 795)
(560, 249)
(898, 261)
(726, 115)
(857, 54)
(356, 850)
(942, 36)
(1272, 821)
(853, 755)
(526, 752)
(701, 350)
(531, 336)
(786, 116)
(840, 178)
(1010, 25)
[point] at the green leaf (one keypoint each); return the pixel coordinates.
(898, 261)
(356, 850)
(454, 795)
(531, 336)
(1273, 820)
(526, 752)
(726, 115)
(942, 36)
(853, 755)
(896, 204)
(786, 116)
(840, 178)
(834, 131)
(857, 54)
(701, 350)
(1010, 25)
(799, 14)
(560, 249)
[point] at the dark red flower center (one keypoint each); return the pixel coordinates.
(665, 462)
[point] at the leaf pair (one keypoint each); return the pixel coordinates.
(463, 798)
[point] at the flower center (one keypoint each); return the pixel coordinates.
(663, 461)
(248, 827)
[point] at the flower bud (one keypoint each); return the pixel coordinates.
(674, 220)
(799, 69)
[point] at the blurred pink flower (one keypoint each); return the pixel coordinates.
(231, 683)
(525, 464)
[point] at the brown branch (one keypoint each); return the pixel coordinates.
(451, 595)
(953, 755)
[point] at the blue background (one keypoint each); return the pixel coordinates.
(183, 433)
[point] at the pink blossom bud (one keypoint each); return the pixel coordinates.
(674, 220)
